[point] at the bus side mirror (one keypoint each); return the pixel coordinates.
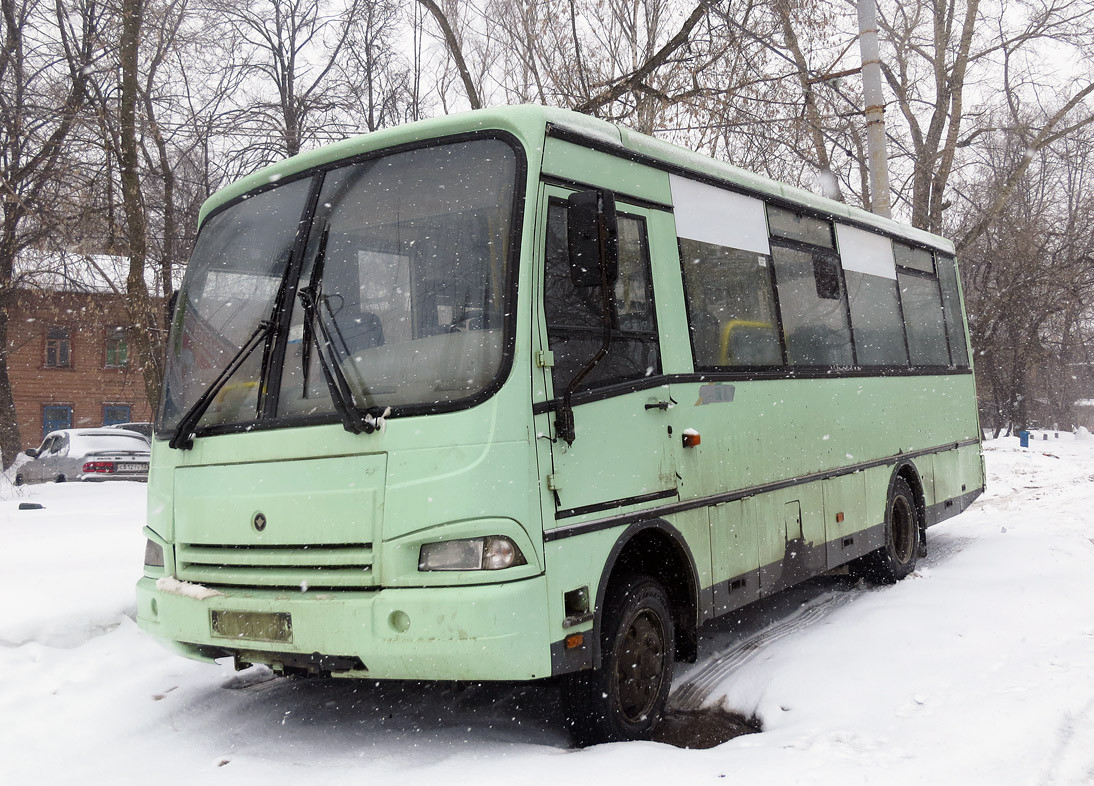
(592, 238)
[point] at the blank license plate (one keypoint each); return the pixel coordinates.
(253, 625)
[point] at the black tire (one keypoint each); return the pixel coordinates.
(625, 698)
(61, 479)
(20, 480)
(903, 537)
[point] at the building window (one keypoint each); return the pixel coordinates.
(117, 413)
(55, 417)
(117, 349)
(58, 348)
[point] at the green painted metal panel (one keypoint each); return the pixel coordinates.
(491, 632)
(734, 547)
(845, 497)
(308, 501)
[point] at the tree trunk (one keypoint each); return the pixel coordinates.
(455, 51)
(11, 441)
(142, 318)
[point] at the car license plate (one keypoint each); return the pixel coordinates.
(132, 468)
(254, 625)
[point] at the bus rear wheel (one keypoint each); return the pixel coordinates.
(897, 558)
(625, 698)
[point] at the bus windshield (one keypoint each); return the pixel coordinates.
(405, 265)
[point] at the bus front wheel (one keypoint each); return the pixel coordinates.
(897, 558)
(625, 698)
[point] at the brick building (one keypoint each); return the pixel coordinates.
(69, 363)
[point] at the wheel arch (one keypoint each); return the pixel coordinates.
(657, 549)
(907, 471)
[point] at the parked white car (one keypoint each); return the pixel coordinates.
(87, 454)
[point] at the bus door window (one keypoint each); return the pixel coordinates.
(870, 271)
(921, 299)
(574, 321)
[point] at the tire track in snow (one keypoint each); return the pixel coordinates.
(693, 693)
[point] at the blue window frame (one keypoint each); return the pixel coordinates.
(117, 413)
(55, 417)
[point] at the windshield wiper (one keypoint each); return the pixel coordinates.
(353, 419)
(184, 432)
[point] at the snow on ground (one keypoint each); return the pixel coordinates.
(978, 669)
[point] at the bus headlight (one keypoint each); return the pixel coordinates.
(153, 554)
(494, 552)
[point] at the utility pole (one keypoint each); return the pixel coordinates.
(875, 107)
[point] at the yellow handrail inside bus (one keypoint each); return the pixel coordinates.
(727, 332)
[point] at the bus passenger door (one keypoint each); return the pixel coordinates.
(621, 454)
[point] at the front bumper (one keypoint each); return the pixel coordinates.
(483, 632)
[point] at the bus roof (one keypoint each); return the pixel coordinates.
(531, 124)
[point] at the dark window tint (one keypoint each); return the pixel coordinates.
(951, 306)
(731, 306)
(814, 327)
(923, 319)
(794, 226)
(914, 258)
(575, 324)
(826, 276)
(875, 317)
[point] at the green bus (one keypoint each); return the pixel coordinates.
(519, 394)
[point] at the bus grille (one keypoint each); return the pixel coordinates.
(340, 566)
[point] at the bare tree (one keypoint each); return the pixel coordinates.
(141, 156)
(377, 79)
(291, 50)
(455, 47)
(1029, 278)
(933, 53)
(46, 53)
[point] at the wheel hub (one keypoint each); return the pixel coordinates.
(641, 665)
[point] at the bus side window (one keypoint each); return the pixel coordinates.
(574, 323)
(814, 323)
(951, 306)
(812, 301)
(870, 271)
(921, 299)
(731, 306)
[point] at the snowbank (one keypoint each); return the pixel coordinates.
(978, 669)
